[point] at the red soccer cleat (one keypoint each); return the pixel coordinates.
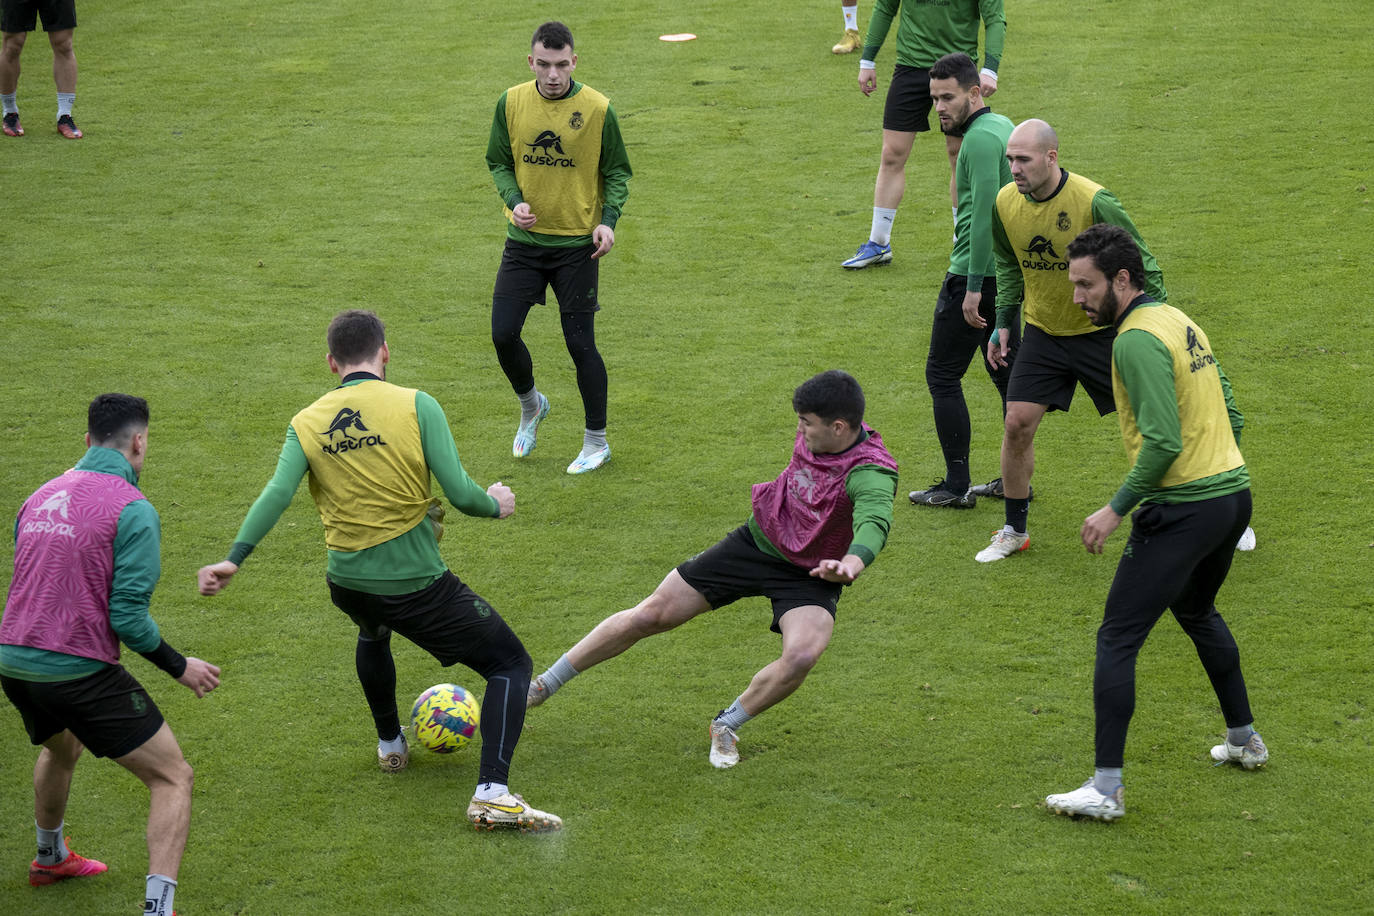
(74, 866)
(11, 125)
(67, 128)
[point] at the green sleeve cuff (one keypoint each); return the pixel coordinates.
(863, 553)
(239, 552)
(1124, 501)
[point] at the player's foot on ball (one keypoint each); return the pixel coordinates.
(538, 693)
(1250, 755)
(1004, 543)
(869, 252)
(850, 43)
(724, 752)
(525, 433)
(394, 761)
(993, 490)
(939, 495)
(67, 128)
(1086, 801)
(1247, 540)
(590, 461)
(510, 811)
(11, 125)
(74, 866)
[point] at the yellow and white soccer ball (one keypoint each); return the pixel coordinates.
(445, 717)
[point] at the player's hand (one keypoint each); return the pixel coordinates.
(998, 348)
(845, 570)
(973, 300)
(522, 217)
(436, 513)
(1098, 527)
(504, 498)
(214, 577)
(868, 81)
(604, 237)
(988, 84)
(202, 677)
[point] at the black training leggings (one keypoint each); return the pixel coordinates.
(579, 333)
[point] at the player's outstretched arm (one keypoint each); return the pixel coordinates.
(845, 570)
(200, 676)
(213, 578)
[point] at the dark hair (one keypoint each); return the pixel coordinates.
(354, 336)
(553, 35)
(959, 66)
(113, 419)
(1112, 250)
(832, 395)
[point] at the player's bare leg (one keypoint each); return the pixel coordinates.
(1018, 447)
(891, 183)
(52, 779)
(952, 145)
(672, 604)
(63, 60)
(159, 764)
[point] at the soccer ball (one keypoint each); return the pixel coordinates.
(445, 717)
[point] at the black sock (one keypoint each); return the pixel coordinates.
(1017, 510)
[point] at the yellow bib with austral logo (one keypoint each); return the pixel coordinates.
(1040, 232)
(368, 473)
(557, 150)
(1209, 445)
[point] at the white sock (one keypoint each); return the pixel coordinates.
(881, 232)
(157, 899)
(11, 107)
(52, 848)
(65, 100)
(559, 673)
(593, 440)
(851, 18)
(486, 791)
(955, 211)
(394, 746)
(529, 405)
(733, 717)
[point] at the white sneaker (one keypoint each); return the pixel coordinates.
(538, 693)
(526, 434)
(1250, 755)
(510, 810)
(724, 753)
(1004, 543)
(590, 461)
(394, 761)
(1247, 540)
(1086, 801)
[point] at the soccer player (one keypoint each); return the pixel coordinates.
(86, 559)
(17, 19)
(971, 283)
(1035, 219)
(560, 166)
(369, 448)
(925, 32)
(1182, 429)
(812, 531)
(850, 42)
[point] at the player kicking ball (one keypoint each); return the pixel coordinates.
(813, 530)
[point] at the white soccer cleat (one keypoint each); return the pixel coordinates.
(1086, 801)
(511, 812)
(590, 461)
(724, 753)
(538, 693)
(1247, 540)
(526, 433)
(1250, 755)
(1004, 543)
(394, 761)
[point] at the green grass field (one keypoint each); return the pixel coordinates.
(249, 169)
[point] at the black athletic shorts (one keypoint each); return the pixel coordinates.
(447, 619)
(908, 100)
(528, 270)
(735, 568)
(109, 711)
(1047, 368)
(22, 15)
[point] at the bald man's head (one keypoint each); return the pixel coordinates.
(1033, 153)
